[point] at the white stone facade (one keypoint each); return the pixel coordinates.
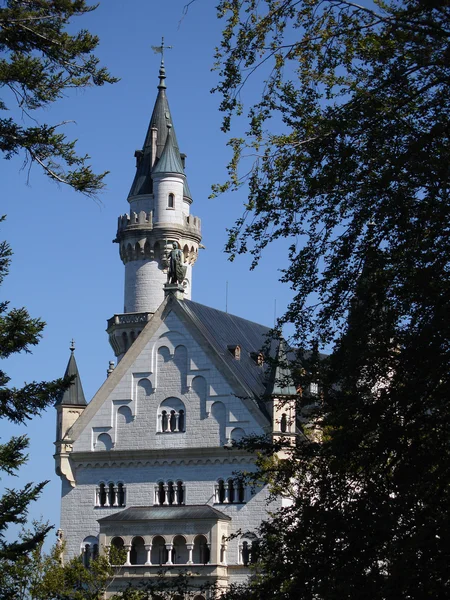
(119, 439)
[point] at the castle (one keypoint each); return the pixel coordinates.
(148, 465)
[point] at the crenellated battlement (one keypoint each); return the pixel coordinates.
(135, 220)
(193, 223)
(144, 220)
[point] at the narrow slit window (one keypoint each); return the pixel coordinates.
(171, 201)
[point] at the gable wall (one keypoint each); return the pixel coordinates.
(171, 365)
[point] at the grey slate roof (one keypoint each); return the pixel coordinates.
(170, 160)
(74, 395)
(142, 183)
(223, 330)
(186, 190)
(167, 513)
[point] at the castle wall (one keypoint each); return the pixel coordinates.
(144, 282)
(172, 366)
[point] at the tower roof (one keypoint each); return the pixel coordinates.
(74, 395)
(280, 381)
(186, 190)
(161, 116)
(170, 160)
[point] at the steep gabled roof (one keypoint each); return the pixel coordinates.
(223, 330)
(74, 395)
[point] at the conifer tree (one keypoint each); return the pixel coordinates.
(39, 62)
(19, 332)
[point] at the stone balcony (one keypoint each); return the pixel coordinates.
(123, 329)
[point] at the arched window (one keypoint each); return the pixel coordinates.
(220, 492)
(231, 495)
(248, 549)
(283, 423)
(159, 552)
(201, 550)
(102, 495)
(138, 554)
(89, 549)
(117, 555)
(171, 416)
(180, 492)
(164, 421)
(170, 493)
(112, 495)
(181, 424)
(231, 491)
(240, 492)
(171, 201)
(120, 494)
(180, 551)
(161, 493)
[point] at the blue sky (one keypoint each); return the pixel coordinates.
(65, 268)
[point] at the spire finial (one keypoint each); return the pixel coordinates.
(162, 70)
(72, 345)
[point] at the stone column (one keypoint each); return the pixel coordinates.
(128, 549)
(224, 554)
(166, 494)
(227, 493)
(169, 548)
(148, 549)
(190, 548)
(209, 554)
(116, 496)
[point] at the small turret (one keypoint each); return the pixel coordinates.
(282, 395)
(69, 407)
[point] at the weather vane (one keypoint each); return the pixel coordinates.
(160, 49)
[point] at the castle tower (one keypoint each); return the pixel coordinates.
(159, 216)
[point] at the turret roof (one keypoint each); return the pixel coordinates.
(281, 382)
(170, 160)
(74, 395)
(161, 116)
(186, 190)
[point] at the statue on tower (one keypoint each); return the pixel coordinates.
(176, 271)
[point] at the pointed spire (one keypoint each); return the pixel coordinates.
(74, 395)
(281, 383)
(147, 157)
(170, 160)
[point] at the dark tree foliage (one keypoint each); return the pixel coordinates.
(39, 62)
(18, 333)
(351, 137)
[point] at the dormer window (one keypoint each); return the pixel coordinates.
(235, 351)
(171, 201)
(258, 357)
